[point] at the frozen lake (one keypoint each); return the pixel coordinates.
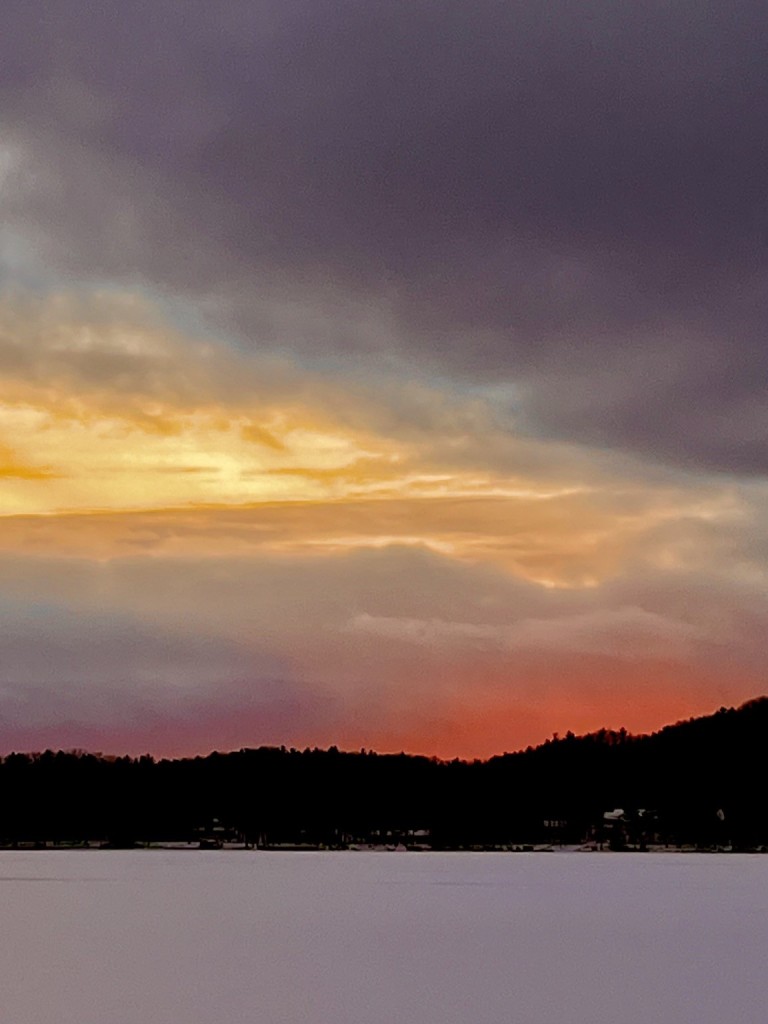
(109, 937)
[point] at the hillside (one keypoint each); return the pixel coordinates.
(700, 781)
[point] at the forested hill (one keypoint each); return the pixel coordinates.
(700, 781)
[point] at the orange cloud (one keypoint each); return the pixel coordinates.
(111, 410)
(571, 540)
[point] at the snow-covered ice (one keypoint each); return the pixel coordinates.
(109, 937)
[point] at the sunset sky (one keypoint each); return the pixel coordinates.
(387, 374)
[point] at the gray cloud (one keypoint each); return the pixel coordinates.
(623, 633)
(568, 197)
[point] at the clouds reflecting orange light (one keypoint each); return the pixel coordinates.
(199, 548)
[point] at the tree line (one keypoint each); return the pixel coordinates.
(702, 781)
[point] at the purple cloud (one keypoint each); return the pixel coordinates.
(568, 198)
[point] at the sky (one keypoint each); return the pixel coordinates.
(387, 374)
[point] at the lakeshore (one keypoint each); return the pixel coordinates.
(527, 848)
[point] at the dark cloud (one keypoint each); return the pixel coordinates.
(112, 680)
(47, 644)
(570, 197)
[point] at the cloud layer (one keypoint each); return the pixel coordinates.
(388, 374)
(568, 199)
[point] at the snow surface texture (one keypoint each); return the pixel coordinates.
(382, 938)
